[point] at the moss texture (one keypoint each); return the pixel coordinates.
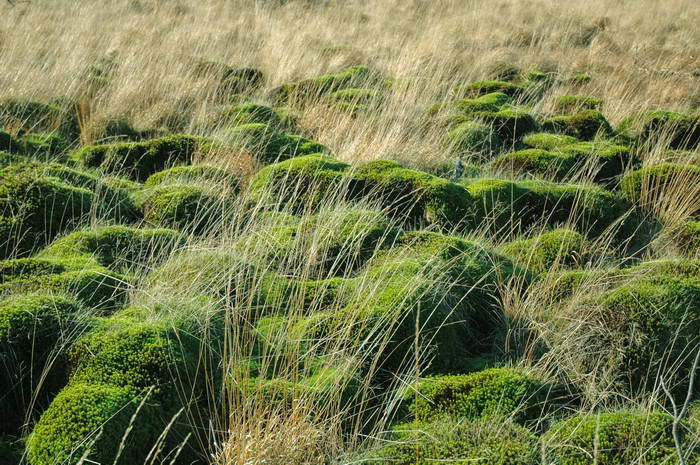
(571, 103)
(352, 77)
(471, 138)
(542, 253)
(646, 185)
(493, 441)
(585, 125)
(139, 160)
(194, 173)
(678, 130)
(613, 438)
(270, 146)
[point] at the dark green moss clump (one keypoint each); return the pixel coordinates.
(585, 125)
(270, 146)
(353, 77)
(491, 441)
(502, 392)
(612, 438)
(139, 160)
(252, 113)
(34, 209)
(194, 173)
(555, 165)
(651, 127)
(647, 185)
(31, 329)
(31, 116)
(471, 138)
(478, 88)
(183, 206)
(542, 253)
(569, 103)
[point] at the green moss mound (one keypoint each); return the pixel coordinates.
(542, 253)
(519, 205)
(678, 130)
(645, 186)
(34, 209)
(185, 207)
(554, 165)
(270, 146)
(31, 116)
(301, 182)
(585, 125)
(492, 441)
(510, 123)
(352, 77)
(478, 88)
(442, 284)
(613, 438)
(31, 329)
(548, 141)
(251, 113)
(570, 103)
(195, 173)
(355, 101)
(688, 237)
(139, 160)
(471, 138)
(503, 392)
(92, 266)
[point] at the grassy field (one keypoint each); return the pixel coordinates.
(247, 232)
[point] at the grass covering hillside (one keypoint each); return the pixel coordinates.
(243, 232)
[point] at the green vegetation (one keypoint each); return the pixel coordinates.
(270, 146)
(542, 253)
(585, 125)
(679, 131)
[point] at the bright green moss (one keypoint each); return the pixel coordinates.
(540, 77)
(139, 160)
(578, 80)
(44, 144)
(571, 103)
(613, 438)
(412, 195)
(510, 123)
(642, 315)
(301, 182)
(353, 77)
(115, 247)
(521, 204)
(194, 173)
(491, 441)
(542, 253)
(353, 95)
(268, 145)
(33, 210)
(183, 206)
(547, 141)
(250, 113)
(647, 185)
(556, 165)
(688, 237)
(678, 130)
(471, 137)
(503, 392)
(479, 88)
(31, 328)
(96, 417)
(488, 102)
(344, 239)
(27, 115)
(9, 159)
(441, 284)
(585, 125)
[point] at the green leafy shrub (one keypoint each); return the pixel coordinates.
(679, 130)
(613, 438)
(491, 441)
(139, 160)
(32, 327)
(560, 247)
(585, 125)
(270, 146)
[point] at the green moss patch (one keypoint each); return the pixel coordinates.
(585, 125)
(542, 253)
(678, 130)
